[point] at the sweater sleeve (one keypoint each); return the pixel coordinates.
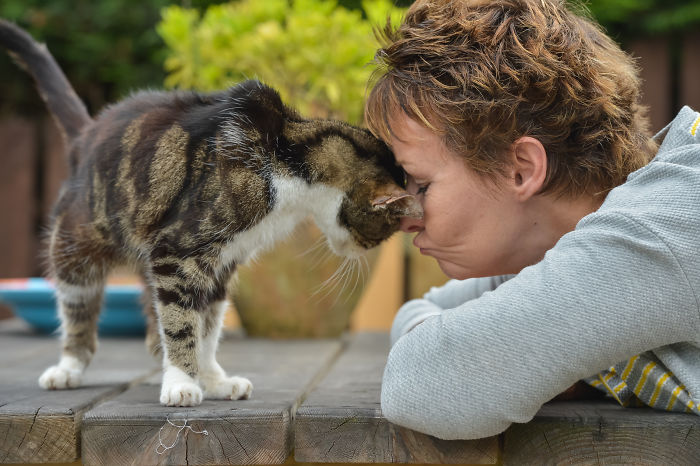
(452, 294)
(607, 291)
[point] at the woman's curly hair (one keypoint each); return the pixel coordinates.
(484, 73)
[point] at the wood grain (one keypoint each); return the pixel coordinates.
(39, 426)
(603, 433)
(126, 430)
(341, 420)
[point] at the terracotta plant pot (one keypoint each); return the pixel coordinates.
(282, 294)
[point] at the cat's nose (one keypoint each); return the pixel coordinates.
(411, 225)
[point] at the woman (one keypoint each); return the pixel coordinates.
(519, 127)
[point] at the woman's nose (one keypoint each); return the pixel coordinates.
(410, 224)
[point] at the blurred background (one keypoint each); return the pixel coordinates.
(317, 54)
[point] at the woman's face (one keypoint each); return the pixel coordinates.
(471, 226)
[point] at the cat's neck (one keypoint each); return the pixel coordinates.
(294, 201)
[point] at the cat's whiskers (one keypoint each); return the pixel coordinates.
(319, 253)
(323, 257)
(364, 269)
(354, 273)
(356, 269)
(316, 254)
(350, 270)
(331, 283)
(320, 241)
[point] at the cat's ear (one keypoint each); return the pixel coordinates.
(400, 203)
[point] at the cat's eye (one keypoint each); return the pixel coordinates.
(422, 189)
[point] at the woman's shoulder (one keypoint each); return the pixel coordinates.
(683, 130)
(671, 179)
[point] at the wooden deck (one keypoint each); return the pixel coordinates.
(341, 420)
(313, 401)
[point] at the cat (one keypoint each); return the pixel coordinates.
(187, 186)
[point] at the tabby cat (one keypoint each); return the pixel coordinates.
(187, 186)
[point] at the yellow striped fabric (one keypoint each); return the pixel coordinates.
(694, 126)
(644, 381)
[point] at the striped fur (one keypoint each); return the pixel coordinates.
(187, 186)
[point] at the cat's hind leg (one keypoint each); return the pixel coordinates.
(216, 384)
(153, 339)
(80, 278)
(79, 307)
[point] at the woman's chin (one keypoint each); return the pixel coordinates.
(454, 271)
(463, 272)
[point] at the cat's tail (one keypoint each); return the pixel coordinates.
(60, 98)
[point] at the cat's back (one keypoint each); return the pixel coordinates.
(157, 156)
(145, 116)
(139, 123)
(137, 155)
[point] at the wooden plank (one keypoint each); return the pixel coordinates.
(341, 420)
(38, 426)
(603, 433)
(126, 429)
(18, 339)
(17, 201)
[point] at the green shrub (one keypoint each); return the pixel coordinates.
(626, 19)
(107, 48)
(314, 52)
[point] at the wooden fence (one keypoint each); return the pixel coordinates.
(32, 167)
(32, 164)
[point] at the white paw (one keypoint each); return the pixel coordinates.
(58, 378)
(180, 394)
(227, 388)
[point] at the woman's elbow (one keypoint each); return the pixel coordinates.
(408, 400)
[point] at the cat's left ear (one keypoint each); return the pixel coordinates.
(400, 203)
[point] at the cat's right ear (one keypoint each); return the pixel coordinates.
(399, 202)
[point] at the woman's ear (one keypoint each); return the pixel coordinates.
(528, 167)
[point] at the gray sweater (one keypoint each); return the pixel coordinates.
(474, 356)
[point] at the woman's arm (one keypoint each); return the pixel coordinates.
(607, 291)
(452, 294)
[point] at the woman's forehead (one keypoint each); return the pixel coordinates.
(414, 144)
(407, 129)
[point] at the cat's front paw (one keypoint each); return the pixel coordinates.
(181, 394)
(58, 378)
(228, 388)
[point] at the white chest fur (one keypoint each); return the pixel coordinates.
(295, 200)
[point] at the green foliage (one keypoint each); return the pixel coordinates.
(107, 48)
(314, 52)
(634, 18)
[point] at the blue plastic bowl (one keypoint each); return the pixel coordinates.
(32, 300)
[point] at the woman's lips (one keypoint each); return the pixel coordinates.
(417, 244)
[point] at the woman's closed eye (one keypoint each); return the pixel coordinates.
(414, 187)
